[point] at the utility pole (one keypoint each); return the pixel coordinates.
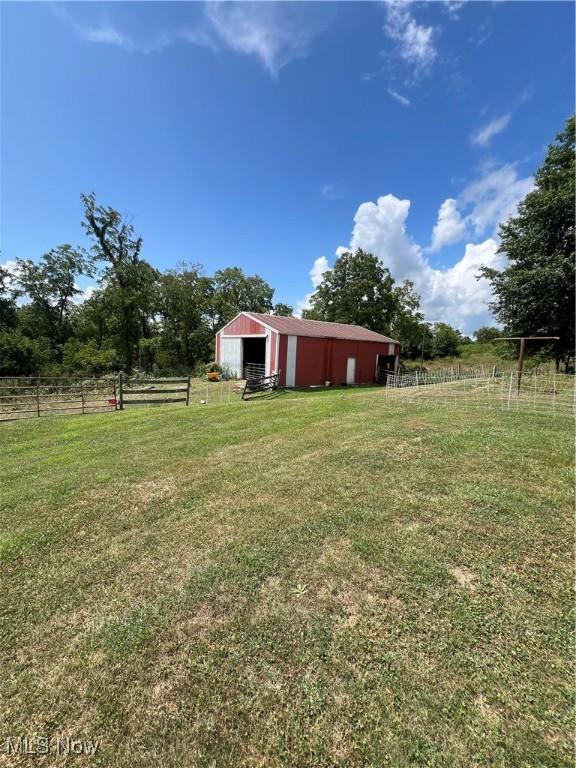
(523, 340)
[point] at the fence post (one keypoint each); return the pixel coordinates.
(554, 393)
(115, 397)
(121, 390)
(493, 371)
(188, 391)
(82, 396)
(38, 398)
(510, 389)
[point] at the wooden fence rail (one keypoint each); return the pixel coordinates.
(156, 389)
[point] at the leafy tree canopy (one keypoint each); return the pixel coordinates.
(358, 290)
(284, 310)
(445, 340)
(534, 294)
(487, 333)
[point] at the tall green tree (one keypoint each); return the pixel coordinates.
(8, 296)
(51, 284)
(445, 340)
(358, 290)
(487, 333)
(131, 283)
(234, 292)
(408, 326)
(534, 294)
(283, 310)
(187, 337)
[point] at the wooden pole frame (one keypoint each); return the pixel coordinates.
(523, 340)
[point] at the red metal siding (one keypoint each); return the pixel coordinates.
(282, 351)
(320, 360)
(310, 364)
(243, 326)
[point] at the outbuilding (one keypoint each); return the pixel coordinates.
(304, 352)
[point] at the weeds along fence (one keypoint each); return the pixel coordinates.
(548, 393)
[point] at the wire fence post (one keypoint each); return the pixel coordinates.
(82, 396)
(38, 399)
(188, 391)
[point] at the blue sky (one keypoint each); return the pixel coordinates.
(269, 135)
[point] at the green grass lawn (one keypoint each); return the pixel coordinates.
(325, 580)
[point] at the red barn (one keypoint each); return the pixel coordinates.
(304, 352)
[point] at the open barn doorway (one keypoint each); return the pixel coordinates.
(254, 357)
(385, 364)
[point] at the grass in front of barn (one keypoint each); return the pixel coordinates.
(310, 581)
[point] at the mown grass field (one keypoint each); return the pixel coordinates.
(324, 580)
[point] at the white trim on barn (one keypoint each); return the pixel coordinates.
(277, 353)
(291, 361)
(267, 354)
(245, 335)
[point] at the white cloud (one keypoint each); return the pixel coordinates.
(10, 266)
(318, 268)
(452, 7)
(276, 33)
(85, 294)
(494, 197)
(332, 191)
(415, 41)
(399, 97)
(482, 136)
(107, 34)
(450, 227)
(452, 295)
(380, 229)
(272, 32)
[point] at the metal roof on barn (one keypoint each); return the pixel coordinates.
(295, 326)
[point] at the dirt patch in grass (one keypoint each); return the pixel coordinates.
(463, 576)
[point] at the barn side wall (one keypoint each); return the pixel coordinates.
(321, 360)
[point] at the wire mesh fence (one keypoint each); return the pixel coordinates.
(548, 393)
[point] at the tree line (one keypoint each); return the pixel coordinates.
(140, 318)
(145, 319)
